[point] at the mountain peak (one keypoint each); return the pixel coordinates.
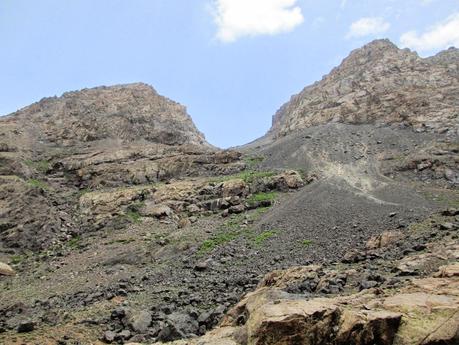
(126, 112)
(377, 83)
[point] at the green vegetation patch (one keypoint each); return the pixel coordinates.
(446, 197)
(233, 229)
(37, 184)
(266, 235)
(260, 197)
(17, 259)
(134, 216)
(252, 176)
(218, 240)
(42, 165)
(74, 242)
(305, 243)
(253, 161)
(248, 176)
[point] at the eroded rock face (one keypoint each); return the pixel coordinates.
(127, 112)
(379, 83)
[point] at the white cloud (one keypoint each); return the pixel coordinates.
(368, 26)
(440, 36)
(239, 18)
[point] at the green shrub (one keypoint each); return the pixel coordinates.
(74, 242)
(248, 176)
(134, 216)
(253, 161)
(306, 243)
(37, 184)
(42, 165)
(217, 240)
(259, 239)
(260, 197)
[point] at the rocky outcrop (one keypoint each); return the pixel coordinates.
(128, 113)
(60, 148)
(379, 83)
(418, 313)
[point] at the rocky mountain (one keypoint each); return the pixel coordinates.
(127, 113)
(379, 83)
(120, 224)
(90, 139)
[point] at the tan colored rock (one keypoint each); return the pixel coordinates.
(280, 278)
(219, 336)
(184, 223)
(418, 263)
(158, 211)
(289, 179)
(236, 187)
(422, 300)
(6, 270)
(368, 327)
(293, 322)
(427, 318)
(378, 83)
(448, 271)
(107, 203)
(441, 286)
(385, 239)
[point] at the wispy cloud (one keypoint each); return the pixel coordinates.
(239, 18)
(368, 26)
(440, 36)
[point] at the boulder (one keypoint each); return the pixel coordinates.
(289, 179)
(236, 187)
(6, 270)
(140, 321)
(448, 271)
(178, 326)
(237, 209)
(26, 326)
(193, 209)
(157, 211)
(385, 239)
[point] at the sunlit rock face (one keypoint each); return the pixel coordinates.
(379, 83)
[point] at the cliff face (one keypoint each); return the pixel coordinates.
(128, 113)
(379, 83)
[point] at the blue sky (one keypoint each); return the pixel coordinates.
(233, 63)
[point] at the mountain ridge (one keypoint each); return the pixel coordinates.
(378, 83)
(119, 223)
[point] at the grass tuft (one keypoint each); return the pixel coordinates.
(253, 161)
(134, 216)
(260, 197)
(37, 184)
(306, 243)
(42, 165)
(266, 235)
(74, 242)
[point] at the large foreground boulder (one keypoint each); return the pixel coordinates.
(6, 270)
(424, 312)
